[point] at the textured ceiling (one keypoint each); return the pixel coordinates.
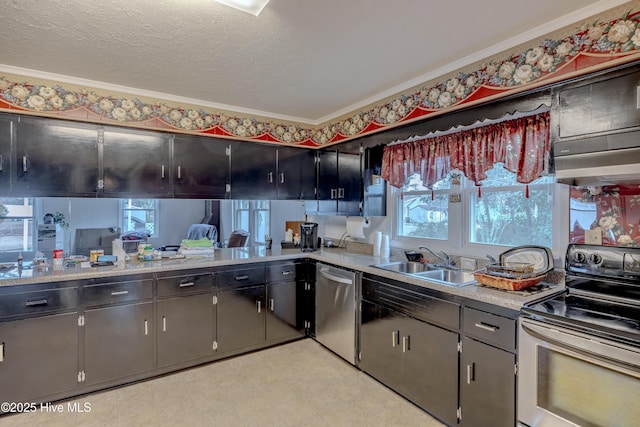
(302, 59)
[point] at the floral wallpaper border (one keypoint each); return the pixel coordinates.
(594, 46)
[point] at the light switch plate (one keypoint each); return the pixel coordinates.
(593, 237)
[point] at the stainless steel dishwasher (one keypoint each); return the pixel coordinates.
(336, 310)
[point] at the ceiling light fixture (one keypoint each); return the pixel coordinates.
(253, 7)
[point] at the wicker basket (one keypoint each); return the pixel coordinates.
(511, 270)
(505, 283)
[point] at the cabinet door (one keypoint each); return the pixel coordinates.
(283, 302)
(487, 385)
(253, 171)
(200, 167)
(327, 181)
(56, 158)
(349, 183)
(601, 106)
(380, 349)
(6, 140)
(296, 177)
(430, 368)
(136, 163)
(118, 342)
(38, 357)
(241, 318)
(185, 328)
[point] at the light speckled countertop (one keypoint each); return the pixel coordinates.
(239, 256)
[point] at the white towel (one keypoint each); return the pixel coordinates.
(196, 251)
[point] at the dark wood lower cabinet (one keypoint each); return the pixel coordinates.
(284, 300)
(241, 318)
(118, 342)
(487, 385)
(38, 357)
(185, 328)
(415, 358)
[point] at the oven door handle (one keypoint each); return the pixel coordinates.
(615, 353)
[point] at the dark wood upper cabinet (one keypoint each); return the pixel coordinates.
(200, 167)
(55, 158)
(136, 163)
(339, 183)
(597, 105)
(296, 178)
(7, 124)
(253, 171)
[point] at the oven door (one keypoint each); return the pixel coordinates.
(568, 378)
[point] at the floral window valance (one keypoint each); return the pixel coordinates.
(522, 144)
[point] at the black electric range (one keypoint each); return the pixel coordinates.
(602, 296)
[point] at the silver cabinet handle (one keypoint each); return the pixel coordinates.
(242, 277)
(271, 304)
(164, 324)
(36, 303)
(340, 193)
(270, 177)
(281, 177)
(259, 305)
(24, 163)
(187, 284)
(486, 327)
(406, 343)
(394, 338)
(146, 327)
(333, 193)
(471, 373)
(119, 293)
(1, 162)
(162, 172)
(179, 172)
(2, 352)
(287, 272)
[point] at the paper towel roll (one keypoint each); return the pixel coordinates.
(356, 226)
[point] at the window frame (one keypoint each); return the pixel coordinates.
(122, 207)
(254, 208)
(12, 255)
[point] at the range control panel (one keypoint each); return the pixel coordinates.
(605, 261)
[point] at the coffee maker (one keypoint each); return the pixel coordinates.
(308, 236)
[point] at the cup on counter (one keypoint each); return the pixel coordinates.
(58, 259)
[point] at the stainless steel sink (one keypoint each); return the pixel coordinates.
(429, 272)
(449, 277)
(407, 267)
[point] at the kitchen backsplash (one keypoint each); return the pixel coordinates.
(608, 215)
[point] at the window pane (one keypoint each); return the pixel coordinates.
(16, 235)
(509, 218)
(140, 215)
(242, 219)
(423, 217)
(498, 176)
(262, 225)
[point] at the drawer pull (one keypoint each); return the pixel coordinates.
(395, 335)
(259, 306)
(287, 272)
(164, 324)
(146, 327)
(187, 284)
(487, 327)
(118, 293)
(2, 352)
(242, 277)
(271, 304)
(37, 303)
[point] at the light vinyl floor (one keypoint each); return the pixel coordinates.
(296, 384)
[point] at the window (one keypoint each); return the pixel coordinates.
(422, 212)
(455, 217)
(139, 215)
(503, 215)
(16, 224)
(253, 216)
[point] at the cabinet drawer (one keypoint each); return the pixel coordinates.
(490, 328)
(243, 276)
(117, 292)
(35, 302)
(283, 272)
(185, 283)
